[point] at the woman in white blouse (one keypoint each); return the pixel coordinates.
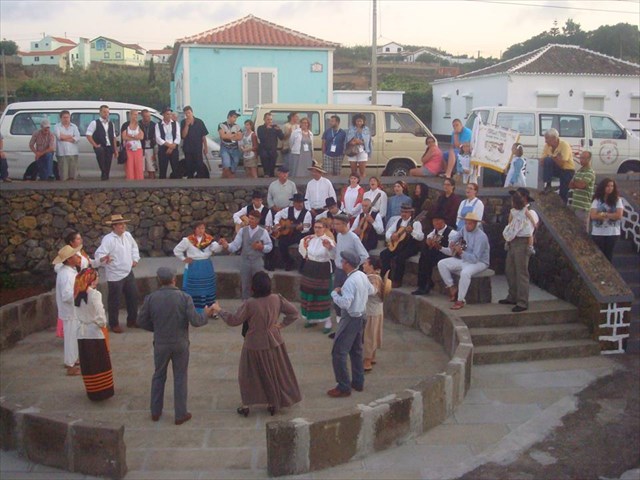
(301, 142)
(199, 278)
(352, 196)
(470, 204)
(317, 250)
(132, 137)
(377, 196)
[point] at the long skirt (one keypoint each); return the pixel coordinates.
(315, 290)
(95, 366)
(372, 335)
(199, 281)
(266, 377)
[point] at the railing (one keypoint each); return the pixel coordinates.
(631, 223)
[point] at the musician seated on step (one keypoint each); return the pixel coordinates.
(289, 226)
(326, 217)
(368, 225)
(432, 250)
(469, 256)
(241, 217)
(404, 234)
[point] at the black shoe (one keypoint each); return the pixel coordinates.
(243, 411)
(357, 388)
(518, 309)
(506, 301)
(269, 268)
(419, 291)
(272, 410)
(332, 335)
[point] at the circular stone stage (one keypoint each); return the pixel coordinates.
(217, 439)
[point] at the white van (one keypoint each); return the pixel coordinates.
(20, 120)
(397, 135)
(615, 149)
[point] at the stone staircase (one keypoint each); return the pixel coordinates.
(626, 260)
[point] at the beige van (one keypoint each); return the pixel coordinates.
(397, 135)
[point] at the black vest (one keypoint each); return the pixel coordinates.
(99, 134)
(174, 130)
(300, 219)
(370, 240)
(444, 241)
(263, 214)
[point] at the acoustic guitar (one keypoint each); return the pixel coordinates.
(244, 222)
(402, 232)
(283, 228)
(363, 226)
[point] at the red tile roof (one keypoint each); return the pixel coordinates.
(64, 40)
(252, 30)
(164, 51)
(57, 51)
(556, 59)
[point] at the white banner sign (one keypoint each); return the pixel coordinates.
(492, 147)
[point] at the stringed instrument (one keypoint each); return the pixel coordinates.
(363, 226)
(283, 228)
(244, 222)
(462, 243)
(402, 232)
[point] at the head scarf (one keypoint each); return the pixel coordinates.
(84, 279)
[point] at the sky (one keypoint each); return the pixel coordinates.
(457, 26)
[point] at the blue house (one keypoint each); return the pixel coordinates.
(249, 62)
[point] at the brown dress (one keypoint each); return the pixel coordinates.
(265, 375)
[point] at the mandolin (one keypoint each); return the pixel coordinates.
(404, 231)
(363, 226)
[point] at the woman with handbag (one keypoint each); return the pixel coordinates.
(132, 139)
(358, 148)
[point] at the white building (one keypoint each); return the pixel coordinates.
(566, 77)
(411, 57)
(159, 56)
(363, 97)
(391, 48)
(61, 52)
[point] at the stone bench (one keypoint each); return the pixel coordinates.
(479, 290)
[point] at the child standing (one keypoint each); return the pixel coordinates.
(516, 177)
(374, 313)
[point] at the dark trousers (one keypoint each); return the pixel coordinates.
(429, 258)
(194, 165)
(128, 286)
(178, 355)
(283, 247)
(4, 168)
(398, 257)
(348, 343)
(268, 159)
(339, 277)
(104, 157)
(164, 160)
(550, 170)
(45, 166)
(606, 243)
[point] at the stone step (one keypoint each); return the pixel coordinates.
(527, 352)
(550, 312)
(536, 333)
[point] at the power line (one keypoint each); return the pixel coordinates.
(584, 9)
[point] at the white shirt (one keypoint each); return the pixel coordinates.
(134, 144)
(91, 128)
(295, 141)
(477, 207)
(66, 148)
(354, 294)
(311, 248)
(416, 233)
(84, 263)
(264, 238)
(65, 281)
(350, 198)
(284, 214)
(91, 316)
(381, 204)
(187, 249)
(168, 130)
(317, 193)
(243, 212)
(123, 251)
(377, 224)
(605, 227)
(325, 214)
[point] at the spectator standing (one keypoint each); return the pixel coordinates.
(168, 140)
(149, 143)
(281, 190)
(101, 134)
(268, 136)
(291, 126)
(358, 144)
(230, 134)
(516, 176)
(249, 148)
(582, 186)
(132, 137)
(4, 166)
(301, 143)
(67, 138)
(557, 161)
(460, 135)
(194, 144)
(470, 204)
(333, 141)
(398, 199)
(432, 161)
(606, 212)
(43, 145)
(318, 190)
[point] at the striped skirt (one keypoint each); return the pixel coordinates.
(199, 281)
(95, 366)
(315, 290)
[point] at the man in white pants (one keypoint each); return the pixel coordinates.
(65, 281)
(470, 255)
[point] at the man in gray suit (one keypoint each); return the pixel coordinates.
(167, 313)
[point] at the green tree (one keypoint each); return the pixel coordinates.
(427, 57)
(152, 72)
(8, 47)
(554, 31)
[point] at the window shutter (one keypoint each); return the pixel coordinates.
(547, 101)
(253, 89)
(266, 87)
(594, 103)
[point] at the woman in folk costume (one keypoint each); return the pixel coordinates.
(93, 336)
(374, 312)
(199, 278)
(317, 277)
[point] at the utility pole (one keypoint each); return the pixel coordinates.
(374, 55)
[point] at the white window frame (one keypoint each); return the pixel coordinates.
(634, 107)
(447, 103)
(245, 94)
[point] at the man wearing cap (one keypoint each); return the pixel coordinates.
(254, 242)
(194, 144)
(43, 145)
(300, 219)
(65, 281)
(368, 225)
(230, 132)
(281, 190)
(470, 253)
(351, 298)
(167, 313)
(119, 253)
(319, 189)
(404, 248)
(168, 140)
(434, 249)
(257, 205)
(101, 134)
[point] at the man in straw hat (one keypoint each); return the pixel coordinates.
(318, 190)
(65, 280)
(352, 299)
(470, 255)
(119, 253)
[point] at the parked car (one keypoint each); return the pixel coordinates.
(397, 135)
(20, 120)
